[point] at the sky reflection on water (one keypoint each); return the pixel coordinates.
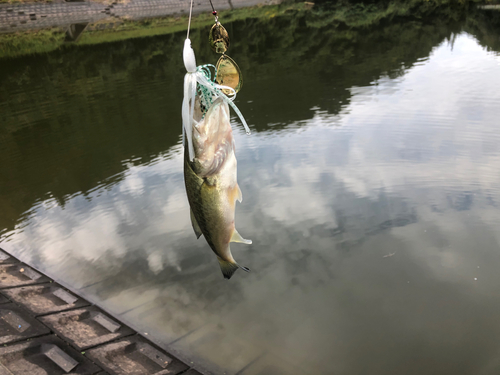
(408, 168)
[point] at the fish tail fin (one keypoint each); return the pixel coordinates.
(229, 268)
(246, 269)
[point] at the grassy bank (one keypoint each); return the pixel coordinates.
(338, 15)
(40, 41)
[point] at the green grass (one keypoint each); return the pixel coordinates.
(29, 42)
(161, 26)
(42, 41)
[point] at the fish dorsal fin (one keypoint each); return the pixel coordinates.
(195, 225)
(240, 196)
(236, 237)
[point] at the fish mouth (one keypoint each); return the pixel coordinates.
(213, 140)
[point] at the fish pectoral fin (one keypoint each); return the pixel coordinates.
(195, 225)
(228, 268)
(236, 237)
(240, 196)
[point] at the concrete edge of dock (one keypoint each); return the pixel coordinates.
(48, 328)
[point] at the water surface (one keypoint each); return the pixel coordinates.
(370, 191)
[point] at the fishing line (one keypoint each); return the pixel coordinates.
(190, 13)
(214, 12)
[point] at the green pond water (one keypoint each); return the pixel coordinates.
(371, 191)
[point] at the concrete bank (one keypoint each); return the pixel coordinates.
(47, 329)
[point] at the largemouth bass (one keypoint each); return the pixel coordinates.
(211, 185)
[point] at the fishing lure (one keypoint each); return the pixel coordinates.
(199, 81)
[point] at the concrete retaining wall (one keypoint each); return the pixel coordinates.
(32, 16)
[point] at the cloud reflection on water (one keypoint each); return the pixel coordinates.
(409, 167)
